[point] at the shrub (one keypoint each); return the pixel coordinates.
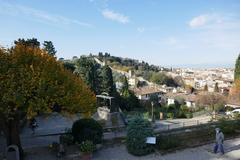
(102, 122)
(66, 139)
(227, 108)
(167, 142)
(87, 147)
(236, 116)
(146, 115)
(172, 108)
(54, 147)
(181, 114)
(170, 115)
(189, 115)
(137, 132)
(227, 127)
(87, 129)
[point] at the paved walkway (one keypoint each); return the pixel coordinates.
(57, 123)
(232, 148)
(119, 152)
(54, 124)
(48, 125)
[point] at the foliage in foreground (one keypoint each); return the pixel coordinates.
(87, 129)
(137, 132)
(168, 142)
(87, 147)
(33, 82)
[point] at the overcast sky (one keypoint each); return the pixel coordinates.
(162, 32)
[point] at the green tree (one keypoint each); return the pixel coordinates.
(179, 81)
(107, 84)
(237, 68)
(69, 66)
(137, 132)
(32, 82)
(216, 88)
(32, 42)
(49, 48)
(162, 78)
(130, 101)
(125, 87)
(87, 69)
(206, 88)
(159, 78)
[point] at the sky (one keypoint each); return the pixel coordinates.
(178, 33)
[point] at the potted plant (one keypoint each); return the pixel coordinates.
(86, 148)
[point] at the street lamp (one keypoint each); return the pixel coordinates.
(152, 103)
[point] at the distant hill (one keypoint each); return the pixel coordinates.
(121, 66)
(126, 64)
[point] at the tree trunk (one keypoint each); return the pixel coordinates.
(12, 132)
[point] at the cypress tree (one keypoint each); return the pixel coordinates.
(237, 69)
(216, 88)
(107, 84)
(206, 88)
(125, 88)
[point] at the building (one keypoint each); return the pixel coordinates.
(187, 99)
(144, 93)
(132, 81)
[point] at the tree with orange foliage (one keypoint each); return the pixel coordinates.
(234, 95)
(31, 82)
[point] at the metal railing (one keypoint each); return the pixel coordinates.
(179, 125)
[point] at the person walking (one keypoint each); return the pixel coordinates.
(219, 141)
(33, 125)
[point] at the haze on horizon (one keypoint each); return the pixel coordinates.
(174, 33)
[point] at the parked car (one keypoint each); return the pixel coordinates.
(233, 112)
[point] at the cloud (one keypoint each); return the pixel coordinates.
(42, 16)
(215, 22)
(114, 16)
(140, 29)
(204, 20)
(198, 21)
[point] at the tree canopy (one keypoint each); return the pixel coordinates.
(87, 69)
(237, 68)
(161, 78)
(49, 48)
(211, 100)
(107, 84)
(32, 42)
(234, 95)
(32, 82)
